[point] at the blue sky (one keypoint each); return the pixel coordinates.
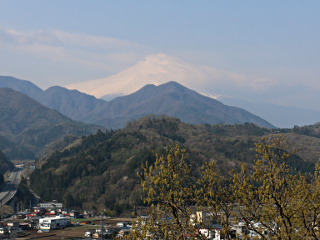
(62, 42)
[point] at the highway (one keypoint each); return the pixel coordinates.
(10, 187)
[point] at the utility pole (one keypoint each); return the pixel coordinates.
(101, 225)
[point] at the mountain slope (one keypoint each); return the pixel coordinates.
(171, 99)
(19, 112)
(22, 86)
(71, 103)
(5, 163)
(15, 150)
(32, 125)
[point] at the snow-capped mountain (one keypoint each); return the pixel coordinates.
(161, 68)
(235, 89)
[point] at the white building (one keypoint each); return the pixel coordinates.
(53, 222)
(51, 205)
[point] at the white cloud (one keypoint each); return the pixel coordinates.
(104, 53)
(13, 37)
(93, 42)
(5, 36)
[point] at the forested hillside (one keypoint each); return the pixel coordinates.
(27, 126)
(5, 163)
(100, 170)
(15, 150)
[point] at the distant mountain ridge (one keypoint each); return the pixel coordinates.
(174, 100)
(81, 107)
(20, 85)
(171, 99)
(284, 117)
(71, 103)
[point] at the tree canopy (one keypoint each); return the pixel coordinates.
(270, 200)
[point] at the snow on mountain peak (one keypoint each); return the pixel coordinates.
(161, 68)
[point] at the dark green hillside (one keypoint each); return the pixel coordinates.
(101, 164)
(100, 171)
(19, 112)
(5, 163)
(309, 130)
(14, 150)
(29, 126)
(312, 130)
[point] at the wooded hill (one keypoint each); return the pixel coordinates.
(100, 170)
(5, 163)
(27, 126)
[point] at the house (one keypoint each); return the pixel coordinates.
(75, 214)
(88, 213)
(39, 210)
(33, 214)
(122, 233)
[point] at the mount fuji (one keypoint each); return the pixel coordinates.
(231, 88)
(159, 69)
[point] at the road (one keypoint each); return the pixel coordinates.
(10, 187)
